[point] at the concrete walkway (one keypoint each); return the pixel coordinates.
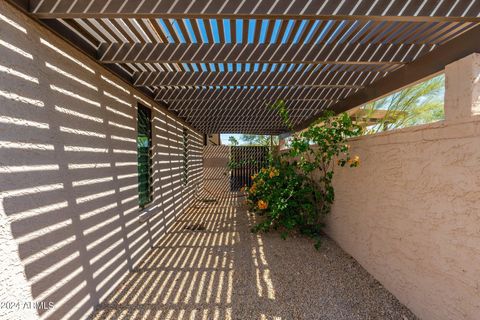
(210, 266)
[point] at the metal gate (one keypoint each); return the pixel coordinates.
(245, 161)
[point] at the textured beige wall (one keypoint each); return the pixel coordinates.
(463, 84)
(216, 172)
(69, 213)
(410, 214)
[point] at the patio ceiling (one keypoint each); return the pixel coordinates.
(219, 64)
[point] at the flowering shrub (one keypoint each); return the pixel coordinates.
(282, 196)
(296, 191)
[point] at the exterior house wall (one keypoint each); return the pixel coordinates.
(70, 221)
(216, 171)
(410, 214)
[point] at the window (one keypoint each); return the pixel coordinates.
(144, 155)
(185, 156)
(418, 104)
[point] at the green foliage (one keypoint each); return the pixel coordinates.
(237, 164)
(282, 195)
(282, 110)
(233, 141)
(419, 104)
(259, 140)
(295, 192)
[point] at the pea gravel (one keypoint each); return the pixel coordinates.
(210, 266)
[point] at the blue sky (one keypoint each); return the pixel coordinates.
(227, 25)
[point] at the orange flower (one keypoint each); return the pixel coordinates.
(273, 173)
(262, 205)
(355, 161)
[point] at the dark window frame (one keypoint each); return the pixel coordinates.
(185, 173)
(144, 155)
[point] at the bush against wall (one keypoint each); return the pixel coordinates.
(295, 192)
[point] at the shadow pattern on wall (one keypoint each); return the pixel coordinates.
(68, 170)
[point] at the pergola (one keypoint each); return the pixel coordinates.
(119, 201)
(219, 64)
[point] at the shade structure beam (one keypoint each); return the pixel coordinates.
(364, 54)
(232, 107)
(222, 114)
(269, 93)
(397, 10)
(216, 62)
(311, 78)
(423, 67)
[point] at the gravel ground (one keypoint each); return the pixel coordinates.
(210, 266)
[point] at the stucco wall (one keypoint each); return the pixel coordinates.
(69, 212)
(216, 172)
(410, 214)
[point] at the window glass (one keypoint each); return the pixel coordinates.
(144, 155)
(419, 104)
(185, 156)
